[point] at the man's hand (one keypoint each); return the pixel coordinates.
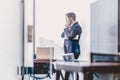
(67, 25)
(76, 37)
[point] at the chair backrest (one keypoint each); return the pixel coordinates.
(68, 57)
(100, 57)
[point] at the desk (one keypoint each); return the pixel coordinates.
(88, 68)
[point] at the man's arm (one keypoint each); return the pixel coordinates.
(75, 33)
(76, 37)
(62, 35)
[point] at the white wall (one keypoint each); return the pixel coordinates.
(10, 38)
(104, 24)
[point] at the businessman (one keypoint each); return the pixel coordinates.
(71, 35)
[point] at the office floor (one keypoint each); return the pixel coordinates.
(53, 77)
(102, 77)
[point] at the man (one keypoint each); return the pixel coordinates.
(71, 35)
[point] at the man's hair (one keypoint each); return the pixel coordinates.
(71, 15)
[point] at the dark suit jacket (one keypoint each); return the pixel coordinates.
(71, 45)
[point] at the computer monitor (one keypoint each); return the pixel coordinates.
(44, 53)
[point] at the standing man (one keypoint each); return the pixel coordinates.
(71, 35)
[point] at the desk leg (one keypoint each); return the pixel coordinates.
(88, 76)
(57, 75)
(75, 75)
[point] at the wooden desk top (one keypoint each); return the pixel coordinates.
(43, 60)
(103, 67)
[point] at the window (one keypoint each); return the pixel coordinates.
(50, 21)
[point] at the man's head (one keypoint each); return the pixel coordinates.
(70, 17)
